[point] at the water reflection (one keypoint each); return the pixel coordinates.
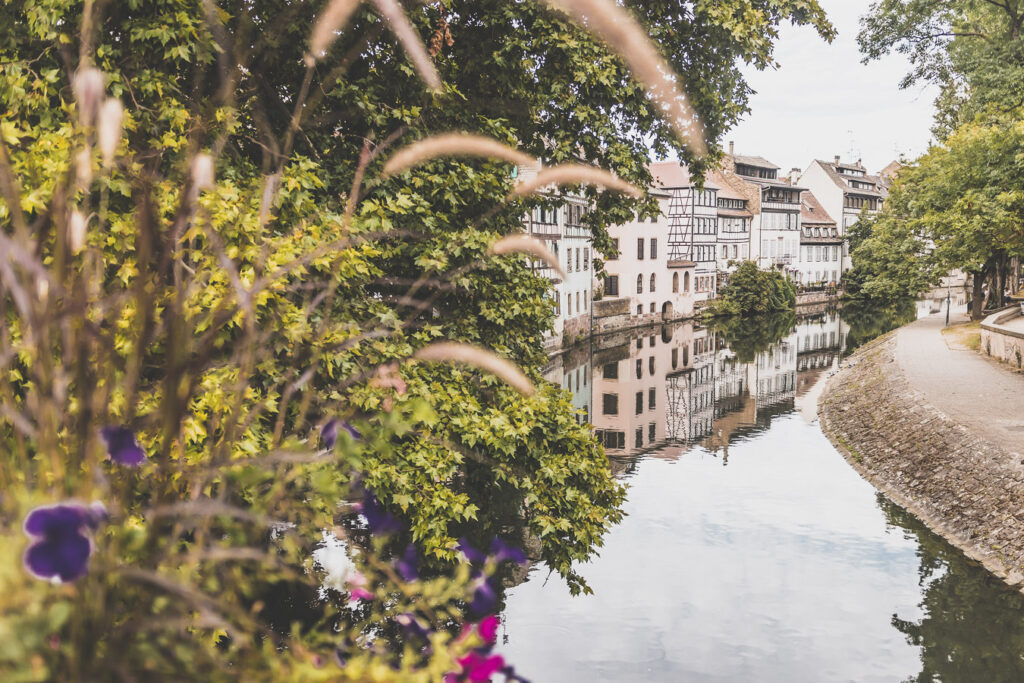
(782, 566)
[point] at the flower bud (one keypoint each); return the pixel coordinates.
(109, 129)
(88, 87)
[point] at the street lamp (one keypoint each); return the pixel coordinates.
(948, 299)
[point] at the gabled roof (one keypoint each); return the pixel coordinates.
(725, 190)
(843, 182)
(673, 174)
(812, 212)
(760, 162)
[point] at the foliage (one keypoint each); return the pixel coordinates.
(961, 205)
(869, 319)
(240, 273)
(752, 291)
(748, 336)
(972, 49)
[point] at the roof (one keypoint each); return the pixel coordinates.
(760, 162)
(843, 182)
(725, 190)
(812, 212)
(672, 174)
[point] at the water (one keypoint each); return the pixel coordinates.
(751, 551)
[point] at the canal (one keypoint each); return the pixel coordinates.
(751, 551)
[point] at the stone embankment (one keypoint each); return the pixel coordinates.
(961, 485)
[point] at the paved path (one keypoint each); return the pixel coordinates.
(974, 391)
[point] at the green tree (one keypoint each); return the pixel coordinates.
(752, 291)
(972, 49)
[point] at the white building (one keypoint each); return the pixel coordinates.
(559, 224)
(776, 233)
(844, 190)
(650, 271)
(821, 245)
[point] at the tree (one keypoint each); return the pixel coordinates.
(972, 49)
(752, 291)
(957, 207)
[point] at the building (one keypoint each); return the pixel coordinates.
(844, 190)
(775, 234)
(735, 219)
(559, 225)
(654, 273)
(821, 246)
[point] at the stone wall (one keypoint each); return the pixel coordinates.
(813, 298)
(999, 342)
(960, 485)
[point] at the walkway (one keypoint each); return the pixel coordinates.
(977, 393)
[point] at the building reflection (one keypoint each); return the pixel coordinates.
(660, 390)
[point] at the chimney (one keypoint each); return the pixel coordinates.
(794, 175)
(732, 147)
(837, 160)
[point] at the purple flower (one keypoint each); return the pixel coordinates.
(379, 520)
(60, 548)
(406, 564)
(329, 432)
(122, 446)
(413, 627)
(501, 552)
(472, 554)
(484, 597)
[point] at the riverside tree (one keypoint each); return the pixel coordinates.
(215, 323)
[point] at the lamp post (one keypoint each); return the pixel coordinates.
(948, 300)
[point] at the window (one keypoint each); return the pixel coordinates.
(654, 248)
(703, 225)
(735, 251)
(639, 342)
(585, 302)
(615, 251)
(639, 437)
(586, 259)
(568, 304)
(639, 284)
(611, 285)
(725, 251)
(707, 198)
(686, 282)
(652, 341)
(651, 434)
(650, 365)
(639, 402)
(653, 309)
(612, 439)
(639, 309)
(652, 283)
(578, 309)
(732, 203)
(675, 358)
(640, 248)
(771, 220)
(579, 263)
(675, 283)
(732, 224)
(558, 304)
(639, 369)
(652, 398)
(781, 194)
(610, 404)
(611, 371)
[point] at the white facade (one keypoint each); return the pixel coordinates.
(644, 274)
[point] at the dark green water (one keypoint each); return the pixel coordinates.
(751, 550)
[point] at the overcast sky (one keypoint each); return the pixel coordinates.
(821, 101)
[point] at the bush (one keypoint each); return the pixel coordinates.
(751, 291)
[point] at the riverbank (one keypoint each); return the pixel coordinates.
(938, 431)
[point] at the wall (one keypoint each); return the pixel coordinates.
(961, 486)
(1002, 343)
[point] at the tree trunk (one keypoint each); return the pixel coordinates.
(977, 293)
(1000, 278)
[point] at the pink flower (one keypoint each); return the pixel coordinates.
(488, 629)
(480, 667)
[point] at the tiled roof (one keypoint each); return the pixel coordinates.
(843, 181)
(812, 212)
(760, 162)
(725, 190)
(672, 174)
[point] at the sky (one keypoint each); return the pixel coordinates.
(821, 101)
